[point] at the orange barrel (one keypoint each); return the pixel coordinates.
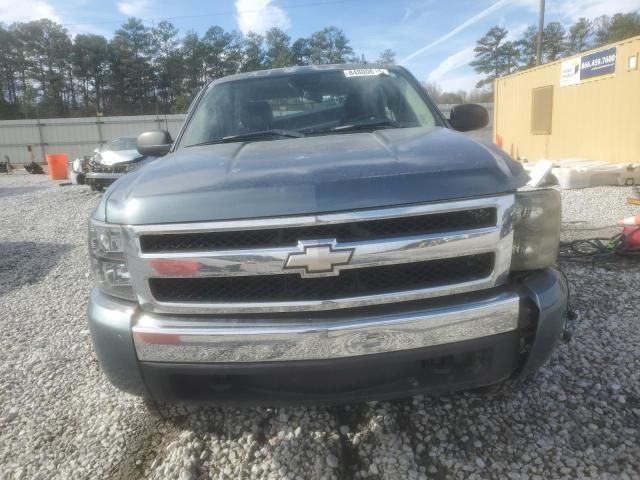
(58, 165)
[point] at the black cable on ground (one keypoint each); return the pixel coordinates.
(567, 334)
(588, 251)
(596, 249)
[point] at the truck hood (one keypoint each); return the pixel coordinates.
(310, 175)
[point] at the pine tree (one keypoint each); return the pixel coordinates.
(494, 56)
(90, 66)
(278, 46)
(387, 57)
(601, 26)
(329, 45)
(623, 26)
(578, 39)
(253, 52)
(553, 41)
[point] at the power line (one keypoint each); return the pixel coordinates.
(218, 14)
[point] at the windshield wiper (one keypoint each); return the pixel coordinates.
(275, 132)
(373, 123)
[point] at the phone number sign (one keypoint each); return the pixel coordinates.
(598, 63)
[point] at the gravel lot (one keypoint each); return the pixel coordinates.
(59, 418)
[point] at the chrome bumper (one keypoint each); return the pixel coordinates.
(160, 338)
(189, 347)
(103, 176)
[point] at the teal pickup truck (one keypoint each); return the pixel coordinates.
(322, 234)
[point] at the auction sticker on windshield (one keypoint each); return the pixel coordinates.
(365, 72)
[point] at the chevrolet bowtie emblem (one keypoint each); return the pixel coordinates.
(318, 258)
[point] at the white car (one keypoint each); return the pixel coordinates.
(113, 160)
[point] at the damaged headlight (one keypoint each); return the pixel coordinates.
(106, 254)
(536, 237)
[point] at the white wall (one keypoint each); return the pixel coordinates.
(74, 136)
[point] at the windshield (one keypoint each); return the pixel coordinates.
(119, 144)
(315, 103)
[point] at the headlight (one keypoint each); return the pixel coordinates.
(106, 253)
(536, 235)
(130, 167)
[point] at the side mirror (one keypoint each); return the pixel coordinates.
(155, 143)
(469, 116)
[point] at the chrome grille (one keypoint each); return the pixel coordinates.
(342, 232)
(399, 254)
(355, 282)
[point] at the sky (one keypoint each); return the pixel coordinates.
(434, 39)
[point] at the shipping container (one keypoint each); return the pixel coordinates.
(582, 107)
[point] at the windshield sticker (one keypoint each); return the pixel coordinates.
(365, 72)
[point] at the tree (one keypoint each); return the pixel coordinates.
(166, 60)
(494, 56)
(329, 45)
(438, 96)
(90, 66)
(301, 52)
(278, 49)
(387, 57)
(192, 53)
(528, 46)
(601, 26)
(453, 98)
(221, 51)
(433, 89)
(510, 55)
(623, 26)
(578, 38)
(132, 73)
(553, 41)
(252, 52)
(480, 96)
(8, 67)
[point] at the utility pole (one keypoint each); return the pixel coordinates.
(540, 30)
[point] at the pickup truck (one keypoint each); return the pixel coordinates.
(322, 234)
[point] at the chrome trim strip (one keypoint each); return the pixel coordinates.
(316, 305)
(104, 176)
(327, 218)
(159, 339)
(271, 261)
(498, 239)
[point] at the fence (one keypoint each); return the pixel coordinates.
(80, 136)
(74, 136)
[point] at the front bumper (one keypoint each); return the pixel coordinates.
(102, 179)
(378, 352)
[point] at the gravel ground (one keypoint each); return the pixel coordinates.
(59, 417)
